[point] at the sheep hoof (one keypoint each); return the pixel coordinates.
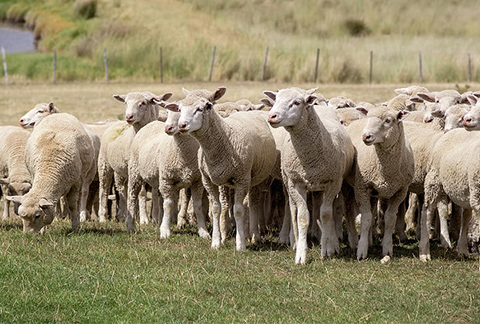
(203, 234)
(215, 245)
(164, 234)
(385, 259)
(425, 257)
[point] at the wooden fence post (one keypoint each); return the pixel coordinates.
(5, 65)
(54, 66)
(265, 64)
(371, 67)
(211, 64)
(469, 68)
(420, 67)
(316, 66)
(106, 66)
(161, 65)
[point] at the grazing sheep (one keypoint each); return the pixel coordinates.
(315, 156)
(453, 174)
(384, 170)
(237, 152)
(16, 178)
(167, 160)
(141, 109)
(60, 157)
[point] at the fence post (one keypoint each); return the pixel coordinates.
(5, 65)
(106, 66)
(469, 68)
(265, 64)
(420, 67)
(371, 67)
(316, 66)
(161, 65)
(54, 66)
(211, 64)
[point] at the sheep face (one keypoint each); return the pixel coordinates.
(141, 106)
(454, 117)
(35, 213)
(171, 124)
(436, 105)
(380, 124)
(471, 120)
(289, 105)
(192, 112)
(39, 112)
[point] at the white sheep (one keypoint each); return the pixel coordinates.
(16, 178)
(340, 102)
(141, 109)
(60, 157)
(348, 115)
(316, 156)
(37, 113)
(439, 101)
(453, 174)
(411, 90)
(237, 152)
(225, 109)
(384, 170)
(167, 160)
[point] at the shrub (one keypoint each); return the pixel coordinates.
(356, 27)
(16, 13)
(85, 8)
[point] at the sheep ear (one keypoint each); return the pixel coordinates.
(267, 103)
(401, 114)
(438, 113)
(44, 203)
(158, 101)
(272, 95)
(416, 99)
(472, 99)
(362, 110)
(401, 91)
(17, 187)
(51, 107)
(185, 92)
(477, 94)
(120, 97)
(219, 93)
(311, 91)
(172, 107)
(426, 96)
(166, 96)
(17, 199)
(311, 100)
(5, 181)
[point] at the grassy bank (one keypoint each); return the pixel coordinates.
(345, 32)
(103, 274)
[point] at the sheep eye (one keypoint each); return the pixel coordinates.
(296, 102)
(41, 111)
(37, 216)
(388, 120)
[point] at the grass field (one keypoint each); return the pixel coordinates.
(104, 275)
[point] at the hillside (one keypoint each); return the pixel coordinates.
(345, 32)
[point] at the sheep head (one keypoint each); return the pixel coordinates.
(35, 213)
(289, 105)
(381, 124)
(40, 111)
(141, 107)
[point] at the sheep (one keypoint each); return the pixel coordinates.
(225, 109)
(440, 101)
(341, 102)
(384, 170)
(401, 102)
(60, 157)
(348, 115)
(471, 120)
(36, 114)
(141, 109)
(17, 179)
(453, 174)
(237, 152)
(167, 160)
(316, 156)
(411, 90)
(454, 116)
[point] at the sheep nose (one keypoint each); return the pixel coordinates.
(168, 129)
(129, 118)
(367, 138)
(272, 118)
(467, 120)
(182, 126)
(428, 119)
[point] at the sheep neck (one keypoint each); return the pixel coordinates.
(389, 151)
(308, 135)
(187, 146)
(213, 138)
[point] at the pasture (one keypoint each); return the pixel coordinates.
(102, 274)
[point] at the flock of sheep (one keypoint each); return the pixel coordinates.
(334, 159)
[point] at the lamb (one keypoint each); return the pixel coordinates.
(384, 170)
(316, 156)
(17, 179)
(60, 157)
(141, 109)
(453, 174)
(237, 152)
(167, 160)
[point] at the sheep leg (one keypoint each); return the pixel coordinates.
(155, 213)
(390, 218)
(316, 226)
(442, 208)
(255, 203)
(330, 244)
(338, 212)
(284, 236)
(121, 185)
(400, 223)
(185, 195)
(424, 245)
(170, 201)
(365, 208)
(105, 175)
(455, 222)
(214, 202)
(224, 218)
(6, 203)
(197, 197)
(241, 191)
(72, 200)
(134, 187)
(84, 213)
(349, 201)
(413, 206)
(298, 195)
(463, 238)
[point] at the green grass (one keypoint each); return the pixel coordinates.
(133, 32)
(105, 275)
